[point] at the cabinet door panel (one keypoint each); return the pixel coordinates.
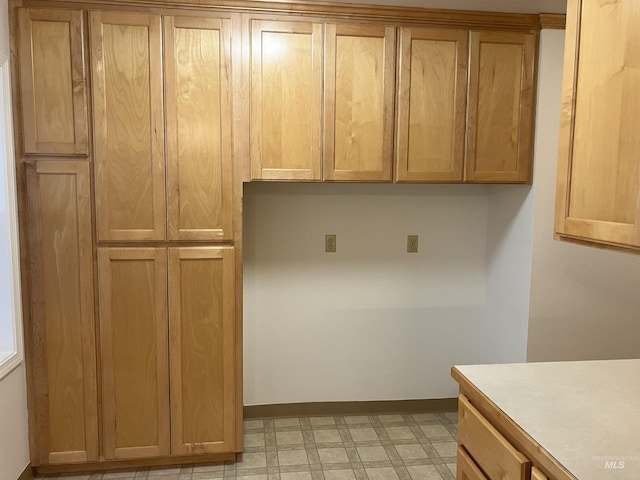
(53, 82)
(134, 336)
(500, 111)
(598, 167)
(431, 105)
(62, 316)
(359, 86)
(198, 99)
(286, 100)
(202, 304)
(128, 122)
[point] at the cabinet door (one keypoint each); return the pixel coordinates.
(53, 83)
(359, 86)
(198, 101)
(134, 335)
(599, 155)
(432, 97)
(286, 100)
(62, 316)
(466, 468)
(128, 122)
(500, 121)
(202, 323)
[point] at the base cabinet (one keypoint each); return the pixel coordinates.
(154, 345)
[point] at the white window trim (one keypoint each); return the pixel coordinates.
(10, 360)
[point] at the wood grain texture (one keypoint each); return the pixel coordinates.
(466, 469)
(359, 12)
(358, 102)
(286, 100)
(500, 113)
(129, 126)
(202, 343)
(552, 21)
(199, 128)
(432, 90)
(598, 170)
(53, 82)
(134, 351)
(490, 450)
(536, 474)
(62, 321)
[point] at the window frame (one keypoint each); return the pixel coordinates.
(11, 359)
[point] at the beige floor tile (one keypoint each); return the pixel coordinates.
(452, 468)
(357, 420)
(372, 454)
(293, 457)
(400, 433)
(446, 449)
(391, 419)
(363, 434)
(289, 438)
(333, 455)
(322, 421)
(339, 475)
(424, 472)
(254, 440)
(327, 436)
(411, 452)
(424, 417)
(433, 431)
(295, 476)
(286, 422)
(209, 467)
(253, 424)
(252, 460)
(385, 473)
(252, 477)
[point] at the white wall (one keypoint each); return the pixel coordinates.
(372, 322)
(584, 301)
(14, 442)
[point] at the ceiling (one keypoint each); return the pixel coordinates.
(515, 6)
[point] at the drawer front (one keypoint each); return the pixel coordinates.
(491, 452)
(537, 474)
(466, 468)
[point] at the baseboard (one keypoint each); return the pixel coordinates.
(351, 408)
(27, 474)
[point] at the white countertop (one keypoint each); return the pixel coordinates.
(584, 414)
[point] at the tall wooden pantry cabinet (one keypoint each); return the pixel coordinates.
(127, 142)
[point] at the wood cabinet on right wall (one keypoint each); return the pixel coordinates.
(598, 194)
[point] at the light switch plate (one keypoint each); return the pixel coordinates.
(412, 243)
(330, 243)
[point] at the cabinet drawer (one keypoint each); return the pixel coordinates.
(467, 469)
(497, 458)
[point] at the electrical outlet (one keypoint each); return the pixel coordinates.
(330, 243)
(412, 243)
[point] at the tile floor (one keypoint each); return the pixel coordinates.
(374, 447)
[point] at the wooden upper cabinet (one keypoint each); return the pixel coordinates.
(432, 96)
(500, 112)
(129, 127)
(134, 351)
(202, 344)
(63, 359)
(286, 100)
(599, 155)
(53, 82)
(198, 128)
(358, 102)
